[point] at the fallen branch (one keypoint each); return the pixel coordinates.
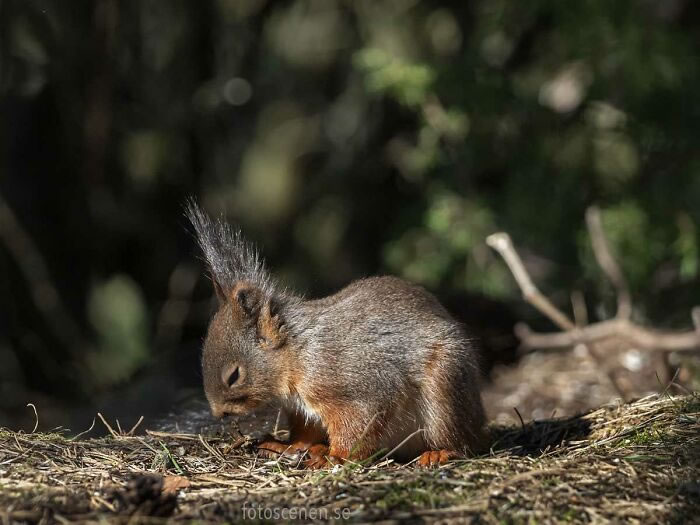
(607, 263)
(502, 243)
(639, 336)
(572, 335)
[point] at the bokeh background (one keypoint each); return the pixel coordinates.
(346, 138)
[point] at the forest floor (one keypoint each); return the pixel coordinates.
(638, 462)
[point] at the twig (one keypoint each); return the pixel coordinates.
(578, 305)
(365, 431)
(189, 437)
(607, 263)
(522, 423)
(211, 449)
(641, 337)
(111, 430)
(36, 417)
(277, 424)
(502, 243)
(75, 438)
(131, 432)
(397, 447)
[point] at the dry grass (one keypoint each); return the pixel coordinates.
(634, 463)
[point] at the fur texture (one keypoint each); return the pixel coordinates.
(366, 367)
(229, 257)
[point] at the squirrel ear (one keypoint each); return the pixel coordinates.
(271, 329)
(248, 298)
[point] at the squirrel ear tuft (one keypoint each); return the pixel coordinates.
(271, 329)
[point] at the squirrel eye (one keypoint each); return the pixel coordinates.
(233, 378)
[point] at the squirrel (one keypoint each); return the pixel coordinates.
(379, 365)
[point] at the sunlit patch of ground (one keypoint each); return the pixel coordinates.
(638, 462)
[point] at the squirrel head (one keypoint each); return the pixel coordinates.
(241, 362)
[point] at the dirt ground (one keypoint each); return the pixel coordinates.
(636, 463)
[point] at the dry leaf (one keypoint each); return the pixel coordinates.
(172, 484)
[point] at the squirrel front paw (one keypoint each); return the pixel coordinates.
(273, 448)
(433, 458)
(320, 458)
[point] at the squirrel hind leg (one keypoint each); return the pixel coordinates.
(451, 406)
(403, 434)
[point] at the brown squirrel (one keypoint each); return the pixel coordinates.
(376, 364)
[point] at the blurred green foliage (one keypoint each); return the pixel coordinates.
(118, 313)
(347, 138)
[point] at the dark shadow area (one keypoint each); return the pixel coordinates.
(537, 437)
(490, 323)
